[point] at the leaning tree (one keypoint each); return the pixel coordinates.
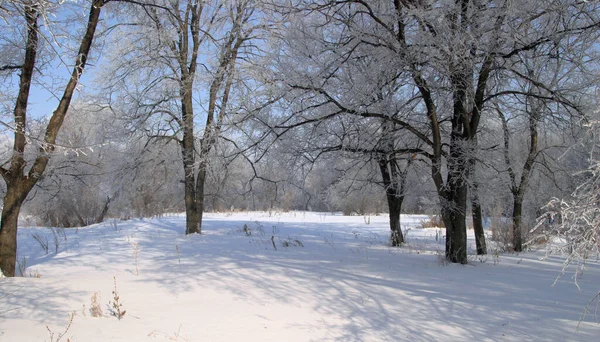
(19, 173)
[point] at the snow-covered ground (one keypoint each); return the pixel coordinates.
(331, 278)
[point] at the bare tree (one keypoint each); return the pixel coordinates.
(20, 178)
(571, 225)
(446, 60)
(183, 61)
(551, 96)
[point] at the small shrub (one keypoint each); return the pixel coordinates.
(34, 274)
(115, 307)
(247, 230)
(42, 240)
(59, 336)
(58, 234)
(441, 258)
(405, 232)
(255, 229)
(95, 308)
(174, 337)
(502, 234)
(22, 265)
(330, 242)
(115, 224)
(439, 235)
(136, 252)
(289, 242)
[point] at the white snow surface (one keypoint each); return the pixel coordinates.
(344, 284)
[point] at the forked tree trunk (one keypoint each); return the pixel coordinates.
(394, 182)
(519, 191)
(518, 188)
(187, 49)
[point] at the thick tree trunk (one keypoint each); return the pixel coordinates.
(14, 198)
(188, 152)
(453, 195)
(517, 213)
(8, 240)
(395, 208)
(477, 221)
(192, 221)
(391, 176)
(454, 217)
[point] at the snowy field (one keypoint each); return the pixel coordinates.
(330, 278)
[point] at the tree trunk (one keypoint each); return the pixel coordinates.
(100, 217)
(453, 194)
(192, 221)
(394, 194)
(200, 181)
(14, 198)
(477, 221)
(517, 213)
(188, 152)
(456, 229)
(395, 208)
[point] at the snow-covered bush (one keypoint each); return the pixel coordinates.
(572, 226)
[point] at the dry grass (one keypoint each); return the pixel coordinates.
(434, 221)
